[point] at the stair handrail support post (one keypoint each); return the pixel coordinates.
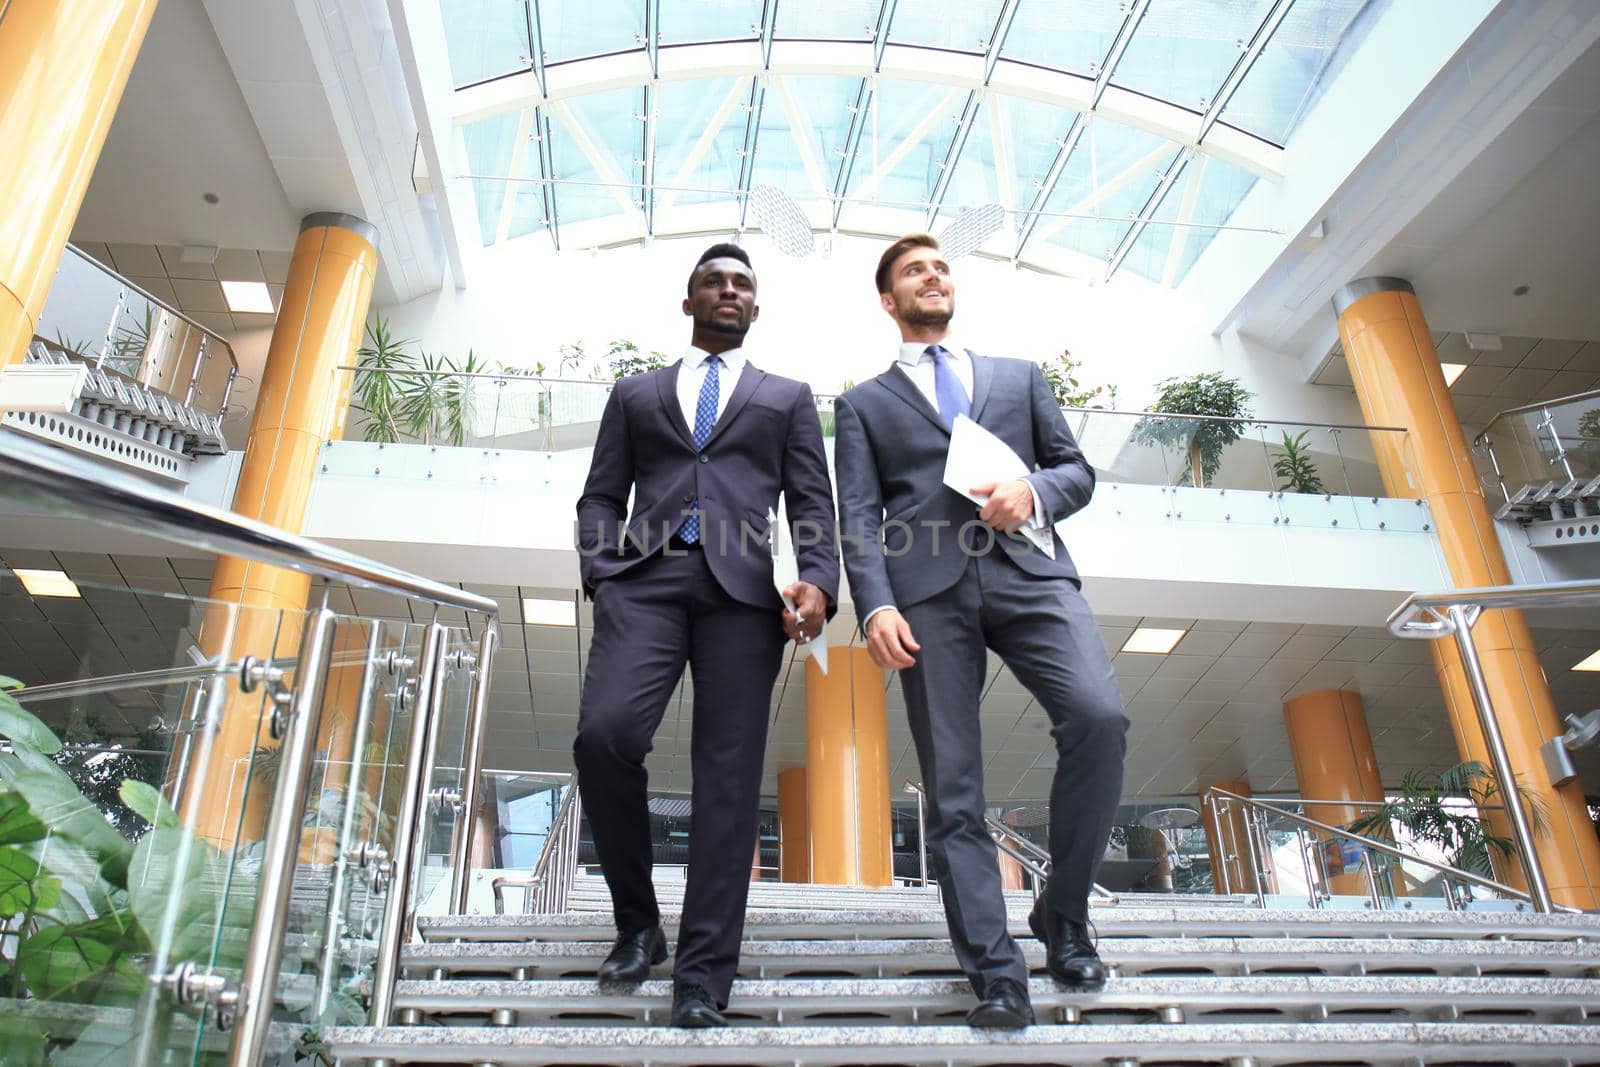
(471, 773)
(392, 938)
(1461, 619)
(258, 984)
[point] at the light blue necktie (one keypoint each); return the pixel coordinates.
(953, 399)
(705, 417)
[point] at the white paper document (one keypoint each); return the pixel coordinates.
(978, 457)
(785, 572)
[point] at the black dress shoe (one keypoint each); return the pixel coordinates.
(693, 1008)
(1004, 1007)
(1070, 954)
(633, 955)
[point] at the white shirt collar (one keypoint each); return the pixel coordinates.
(733, 359)
(911, 352)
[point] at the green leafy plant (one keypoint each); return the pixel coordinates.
(1422, 808)
(1203, 440)
(1294, 466)
(1060, 373)
(624, 358)
(381, 381)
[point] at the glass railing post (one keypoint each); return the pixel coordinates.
(259, 982)
(418, 773)
(471, 773)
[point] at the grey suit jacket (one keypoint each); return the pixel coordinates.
(900, 523)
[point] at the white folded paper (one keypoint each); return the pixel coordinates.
(977, 457)
(786, 571)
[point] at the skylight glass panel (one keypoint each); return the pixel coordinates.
(805, 123)
(1280, 86)
(489, 144)
(908, 133)
(1182, 52)
(973, 181)
(599, 141)
(845, 20)
(1069, 35)
(573, 29)
(964, 27)
(700, 129)
(523, 212)
(710, 20)
(485, 39)
(1032, 132)
(1111, 174)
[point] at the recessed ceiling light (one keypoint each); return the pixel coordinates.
(1522, 290)
(1153, 640)
(46, 583)
(1452, 371)
(539, 612)
(1591, 662)
(211, 198)
(248, 296)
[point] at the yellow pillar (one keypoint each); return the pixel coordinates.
(1399, 383)
(847, 771)
(1333, 760)
(319, 326)
(63, 66)
(794, 833)
(1226, 842)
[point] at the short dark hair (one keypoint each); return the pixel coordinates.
(898, 249)
(719, 251)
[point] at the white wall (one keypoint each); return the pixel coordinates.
(821, 322)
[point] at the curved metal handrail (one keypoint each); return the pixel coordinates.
(1423, 615)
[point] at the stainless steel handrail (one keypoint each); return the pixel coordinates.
(87, 490)
(1538, 405)
(1451, 874)
(154, 679)
(1425, 615)
(550, 878)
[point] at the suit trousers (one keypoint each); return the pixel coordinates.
(649, 621)
(1044, 632)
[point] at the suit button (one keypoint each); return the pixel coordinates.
(704, 458)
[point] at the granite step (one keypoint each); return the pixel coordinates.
(1129, 956)
(910, 1001)
(1266, 1045)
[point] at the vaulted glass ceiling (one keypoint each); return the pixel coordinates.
(1116, 135)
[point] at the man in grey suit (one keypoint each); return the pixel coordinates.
(936, 579)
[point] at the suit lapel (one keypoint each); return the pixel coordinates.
(667, 386)
(749, 378)
(982, 375)
(900, 384)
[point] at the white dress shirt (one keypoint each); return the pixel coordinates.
(692, 378)
(917, 363)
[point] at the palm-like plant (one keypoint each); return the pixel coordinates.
(380, 384)
(1295, 466)
(1422, 808)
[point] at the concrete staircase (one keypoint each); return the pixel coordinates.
(844, 976)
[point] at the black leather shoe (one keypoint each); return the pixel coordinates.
(1005, 1007)
(633, 955)
(1070, 954)
(693, 1008)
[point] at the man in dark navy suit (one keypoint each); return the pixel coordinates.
(705, 446)
(935, 579)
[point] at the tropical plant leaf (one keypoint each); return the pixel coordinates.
(24, 887)
(18, 824)
(56, 802)
(148, 803)
(25, 1040)
(179, 890)
(90, 962)
(24, 728)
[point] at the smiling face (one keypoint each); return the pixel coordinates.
(921, 292)
(722, 299)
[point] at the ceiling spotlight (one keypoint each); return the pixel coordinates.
(782, 220)
(970, 229)
(46, 583)
(537, 611)
(1452, 371)
(1153, 640)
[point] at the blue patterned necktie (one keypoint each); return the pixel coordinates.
(705, 417)
(953, 399)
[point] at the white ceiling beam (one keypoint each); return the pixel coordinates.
(1180, 236)
(519, 153)
(1100, 193)
(617, 183)
(800, 128)
(1005, 170)
(937, 116)
(707, 138)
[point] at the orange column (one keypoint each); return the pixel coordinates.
(1399, 383)
(1333, 760)
(1227, 844)
(319, 326)
(63, 66)
(794, 833)
(847, 771)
